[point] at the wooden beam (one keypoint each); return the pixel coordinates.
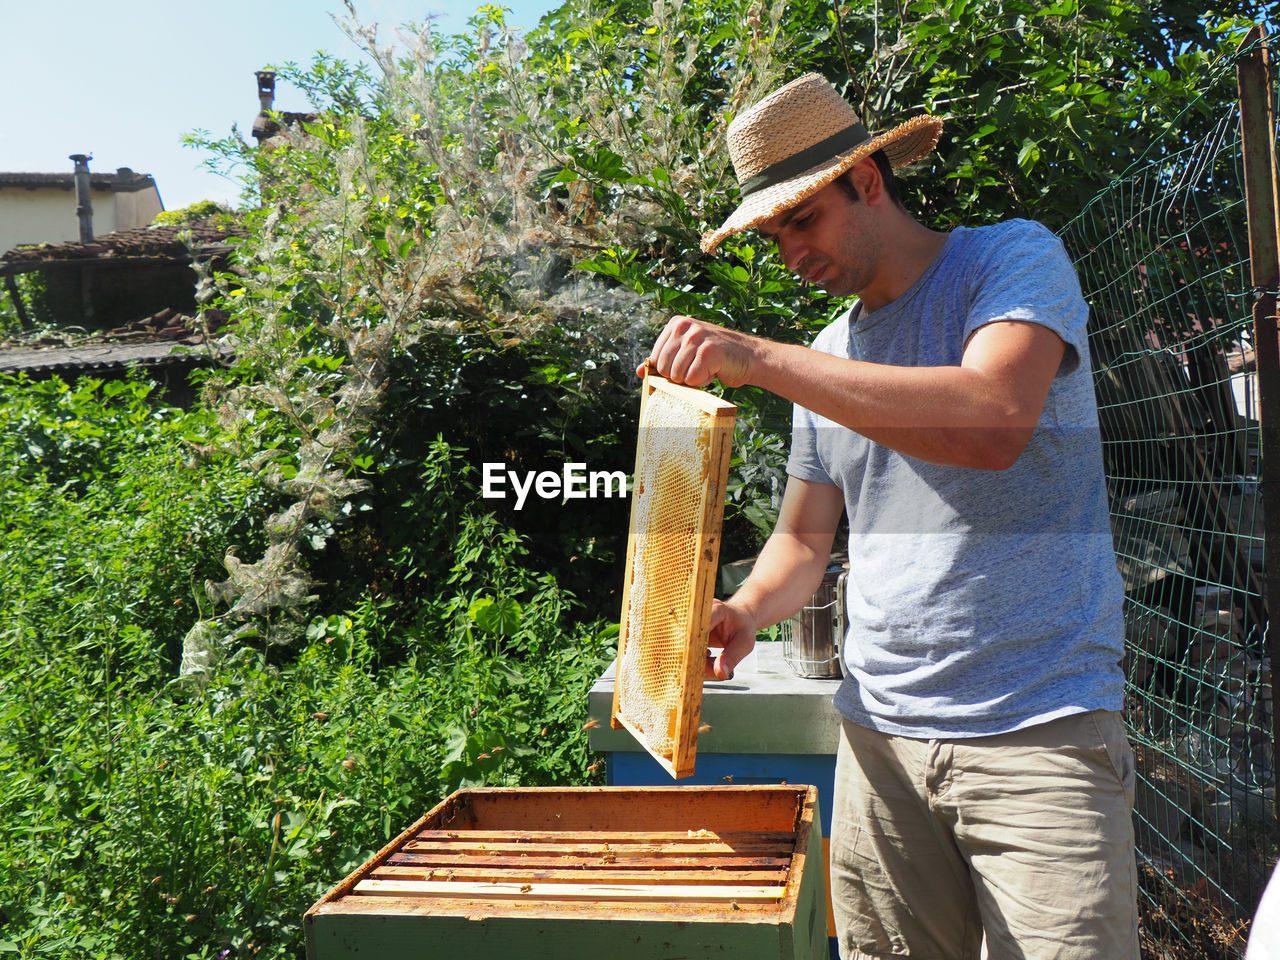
(610, 836)
(408, 858)
(725, 808)
(567, 847)
(12, 286)
(597, 875)
(658, 893)
(1257, 134)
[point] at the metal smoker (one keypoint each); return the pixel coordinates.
(811, 639)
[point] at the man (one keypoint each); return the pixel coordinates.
(984, 783)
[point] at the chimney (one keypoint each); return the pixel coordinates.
(84, 208)
(266, 89)
(263, 127)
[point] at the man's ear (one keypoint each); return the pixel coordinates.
(865, 176)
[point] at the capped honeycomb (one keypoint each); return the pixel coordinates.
(682, 464)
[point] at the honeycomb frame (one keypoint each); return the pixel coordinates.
(673, 545)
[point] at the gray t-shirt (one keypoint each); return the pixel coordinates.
(978, 601)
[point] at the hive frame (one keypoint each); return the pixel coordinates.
(714, 418)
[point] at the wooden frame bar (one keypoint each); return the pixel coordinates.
(718, 417)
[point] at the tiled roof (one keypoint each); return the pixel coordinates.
(99, 357)
(1242, 360)
(167, 338)
(266, 126)
(67, 181)
(158, 241)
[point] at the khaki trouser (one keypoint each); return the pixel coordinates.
(1025, 836)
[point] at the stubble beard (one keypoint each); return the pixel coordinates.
(846, 276)
(853, 263)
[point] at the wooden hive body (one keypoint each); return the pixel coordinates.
(677, 505)
(584, 872)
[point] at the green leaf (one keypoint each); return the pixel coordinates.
(1028, 155)
(455, 744)
(505, 669)
(501, 616)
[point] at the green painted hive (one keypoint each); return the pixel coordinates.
(605, 873)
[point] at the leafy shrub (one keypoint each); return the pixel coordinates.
(204, 821)
(116, 506)
(144, 816)
(199, 210)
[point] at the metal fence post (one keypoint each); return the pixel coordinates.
(1257, 132)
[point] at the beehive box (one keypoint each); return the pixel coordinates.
(605, 873)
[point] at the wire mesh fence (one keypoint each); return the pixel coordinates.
(1163, 256)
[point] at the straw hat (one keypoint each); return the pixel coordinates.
(800, 138)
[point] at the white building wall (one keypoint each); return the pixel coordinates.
(1245, 388)
(48, 215)
(134, 209)
(104, 213)
(37, 216)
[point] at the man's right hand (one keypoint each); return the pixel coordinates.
(692, 352)
(733, 632)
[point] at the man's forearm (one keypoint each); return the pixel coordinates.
(959, 415)
(978, 414)
(783, 580)
(790, 567)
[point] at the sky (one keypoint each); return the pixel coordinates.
(124, 80)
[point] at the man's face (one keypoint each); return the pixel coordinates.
(827, 239)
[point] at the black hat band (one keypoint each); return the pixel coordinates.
(798, 163)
